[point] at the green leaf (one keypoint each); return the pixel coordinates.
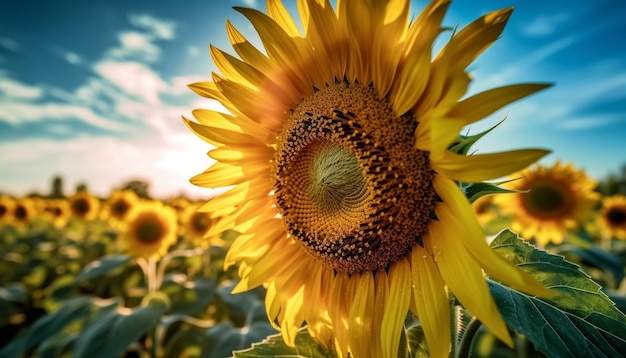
(189, 297)
(114, 332)
(274, 346)
(101, 267)
(464, 143)
(579, 320)
(47, 326)
(473, 191)
(595, 257)
(417, 342)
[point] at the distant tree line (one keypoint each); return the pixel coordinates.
(614, 183)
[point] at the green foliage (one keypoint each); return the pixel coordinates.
(579, 320)
(274, 346)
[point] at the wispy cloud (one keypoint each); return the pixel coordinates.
(13, 89)
(133, 78)
(543, 25)
(162, 29)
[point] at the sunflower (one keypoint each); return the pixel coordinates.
(150, 229)
(7, 204)
(57, 212)
(196, 225)
(484, 209)
(556, 199)
(84, 206)
(119, 204)
(343, 187)
(612, 220)
(23, 212)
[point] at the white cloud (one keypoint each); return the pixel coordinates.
(135, 46)
(19, 113)
(18, 90)
(73, 58)
(105, 163)
(133, 78)
(544, 25)
(180, 84)
(161, 29)
(588, 122)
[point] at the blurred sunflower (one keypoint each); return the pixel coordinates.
(196, 225)
(58, 212)
(344, 189)
(484, 209)
(23, 212)
(612, 220)
(84, 206)
(119, 204)
(150, 229)
(7, 204)
(558, 199)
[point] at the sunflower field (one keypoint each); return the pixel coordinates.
(137, 277)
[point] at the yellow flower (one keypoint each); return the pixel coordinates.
(196, 225)
(612, 220)
(58, 212)
(559, 198)
(343, 187)
(23, 212)
(84, 206)
(119, 204)
(7, 204)
(150, 229)
(484, 209)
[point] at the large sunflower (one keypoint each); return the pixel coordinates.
(555, 199)
(150, 229)
(612, 218)
(343, 187)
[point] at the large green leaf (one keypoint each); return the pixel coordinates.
(47, 326)
(274, 346)
(102, 266)
(114, 332)
(579, 320)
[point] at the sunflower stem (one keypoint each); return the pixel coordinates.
(464, 348)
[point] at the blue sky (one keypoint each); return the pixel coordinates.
(94, 90)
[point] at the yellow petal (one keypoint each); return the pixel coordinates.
(360, 321)
(396, 307)
(219, 136)
(220, 174)
(455, 211)
(282, 49)
(464, 277)
(328, 40)
(481, 167)
(476, 37)
(385, 54)
(247, 51)
(236, 70)
(411, 82)
(485, 103)
(277, 11)
(431, 301)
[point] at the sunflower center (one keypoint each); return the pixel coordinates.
(149, 230)
(547, 200)
(200, 222)
(120, 207)
(616, 216)
(80, 206)
(348, 181)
